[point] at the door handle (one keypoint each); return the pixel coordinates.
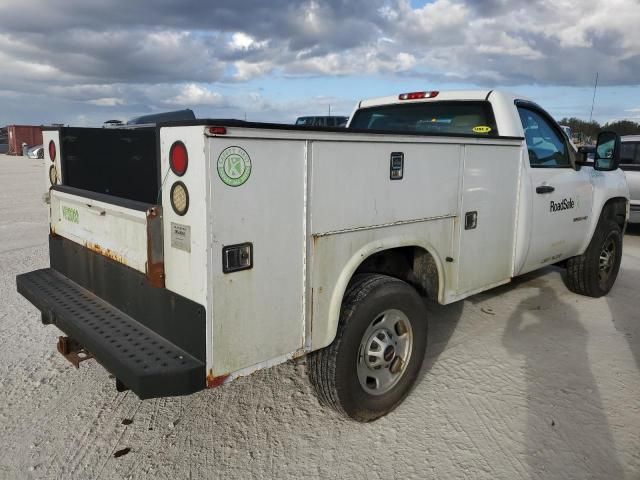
(96, 210)
(545, 189)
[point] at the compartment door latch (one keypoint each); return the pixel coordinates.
(396, 166)
(470, 220)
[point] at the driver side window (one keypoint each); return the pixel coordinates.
(546, 146)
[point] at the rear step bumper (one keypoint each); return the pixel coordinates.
(140, 358)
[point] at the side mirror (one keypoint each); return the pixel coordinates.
(607, 152)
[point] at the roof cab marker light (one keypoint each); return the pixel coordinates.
(218, 130)
(417, 95)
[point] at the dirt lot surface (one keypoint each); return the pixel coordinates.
(524, 381)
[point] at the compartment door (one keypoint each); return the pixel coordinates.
(489, 195)
(258, 313)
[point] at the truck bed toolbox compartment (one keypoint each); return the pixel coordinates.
(142, 359)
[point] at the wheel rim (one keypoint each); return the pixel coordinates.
(385, 351)
(607, 260)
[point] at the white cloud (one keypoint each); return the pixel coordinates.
(507, 45)
(121, 56)
(243, 41)
(248, 70)
(106, 102)
(193, 95)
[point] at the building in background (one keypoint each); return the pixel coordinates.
(17, 135)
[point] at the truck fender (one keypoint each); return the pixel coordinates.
(325, 332)
(616, 207)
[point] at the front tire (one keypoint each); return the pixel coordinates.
(378, 351)
(594, 272)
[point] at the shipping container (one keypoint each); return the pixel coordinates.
(19, 134)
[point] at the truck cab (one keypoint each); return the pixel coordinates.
(560, 199)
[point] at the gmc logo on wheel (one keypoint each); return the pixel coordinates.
(565, 204)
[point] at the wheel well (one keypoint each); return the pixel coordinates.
(414, 265)
(616, 209)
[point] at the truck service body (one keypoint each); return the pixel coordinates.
(186, 254)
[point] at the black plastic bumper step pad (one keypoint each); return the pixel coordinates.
(144, 361)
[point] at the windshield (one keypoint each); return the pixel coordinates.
(447, 117)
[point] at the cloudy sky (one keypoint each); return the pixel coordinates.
(85, 61)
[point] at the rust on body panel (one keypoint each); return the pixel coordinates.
(155, 248)
(105, 252)
(213, 382)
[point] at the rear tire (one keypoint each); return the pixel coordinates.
(594, 272)
(378, 351)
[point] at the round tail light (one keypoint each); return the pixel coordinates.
(179, 198)
(53, 175)
(178, 158)
(52, 150)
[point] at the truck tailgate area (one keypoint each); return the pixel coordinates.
(118, 231)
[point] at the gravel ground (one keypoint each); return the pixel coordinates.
(525, 381)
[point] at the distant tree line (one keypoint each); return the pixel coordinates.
(590, 130)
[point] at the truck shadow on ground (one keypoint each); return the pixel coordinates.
(561, 440)
(443, 320)
(633, 230)
(622, 301)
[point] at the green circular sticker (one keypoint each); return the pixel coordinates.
(234, 166)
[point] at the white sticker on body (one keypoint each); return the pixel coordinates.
(181, 237)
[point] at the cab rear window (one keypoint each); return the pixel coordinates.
(447, 117)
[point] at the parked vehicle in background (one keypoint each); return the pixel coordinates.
(112, 124)
(322, 121)
(630, 164)
(4, 140)
(567, 131)
(36, 151)
(588, 152)
(187, 254)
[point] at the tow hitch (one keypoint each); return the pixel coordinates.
(73, 351)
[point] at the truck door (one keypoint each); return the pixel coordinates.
(561, 196)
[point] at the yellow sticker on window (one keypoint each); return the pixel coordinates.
(481, 129)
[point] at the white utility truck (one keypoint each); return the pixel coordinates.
(186, 254)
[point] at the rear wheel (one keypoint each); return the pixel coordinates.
(594, 272)
(378, 350)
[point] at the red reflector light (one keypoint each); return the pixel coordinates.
(417, 95)
(218, 130)
(52, 150)
(178, 158)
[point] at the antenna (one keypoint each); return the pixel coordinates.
(594, 99)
